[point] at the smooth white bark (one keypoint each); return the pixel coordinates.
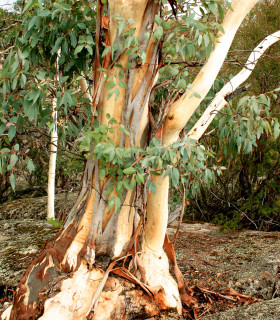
(84, 88)
(181, 111)
(53, 155)
(219, 101)
(75, 296)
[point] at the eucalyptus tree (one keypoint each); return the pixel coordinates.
(249, 184)
(135, 145)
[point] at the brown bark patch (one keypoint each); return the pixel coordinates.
(39, 274)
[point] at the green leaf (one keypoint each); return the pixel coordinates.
(158, 19)
(276, 130)
(126, 183)
(102, 173)
(44, 13)
(12, 181)
(140, 178)
(212, 8)
(131, 21)
(14, 159)
(117, 203)
(110, 85)
(111, 202)
(122, 84)
(31, 23)
(73, 39)
(56, 45)
(117, 94)
(2, 128)
(175, 177)
(78, 49)
(159, 32)
(89, 49)
(14, 83)
(106, 50)
(132, 185)
(30, 165)
(28, 5)
(221, 11)
(12, 132)
(154, 188)
(129, 170)
(22, 80)
(81, 26)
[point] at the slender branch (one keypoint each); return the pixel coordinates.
(4, 51)
(228, 90)
(238, 91)
(85, 89)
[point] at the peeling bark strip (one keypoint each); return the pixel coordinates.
(92, 229)
(27, 302)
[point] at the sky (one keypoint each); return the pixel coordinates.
(6, 4)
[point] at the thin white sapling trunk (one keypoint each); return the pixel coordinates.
(53, 154)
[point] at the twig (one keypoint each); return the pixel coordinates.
(100, 288)
(232, 204)
(181, 216)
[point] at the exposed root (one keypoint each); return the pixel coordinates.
(71, 257)
(6, 314)
(157, 276)
(74, 298)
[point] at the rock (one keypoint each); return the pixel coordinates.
(247, 261)
(264, 310)
(19, 244)
(36, 208)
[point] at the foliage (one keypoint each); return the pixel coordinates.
(128, 167)
(56, 223)
(246, 194)
(28, 78)
(66, 31)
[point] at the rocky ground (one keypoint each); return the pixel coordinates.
(224, 272)
(245, 261)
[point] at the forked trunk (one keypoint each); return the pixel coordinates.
(66, 280)
(68, 265)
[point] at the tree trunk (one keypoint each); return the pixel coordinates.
(67, 278)
(53, 153)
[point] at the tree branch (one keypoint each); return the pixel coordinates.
(181, 111)
(85, 89)
(225, 94)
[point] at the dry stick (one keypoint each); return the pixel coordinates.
(4, 51)
(100, 288)
(181, 215)
(203, 313)
(137, 160)
(232, 204)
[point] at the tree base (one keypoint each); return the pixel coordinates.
(119, 299)
(157, 276)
